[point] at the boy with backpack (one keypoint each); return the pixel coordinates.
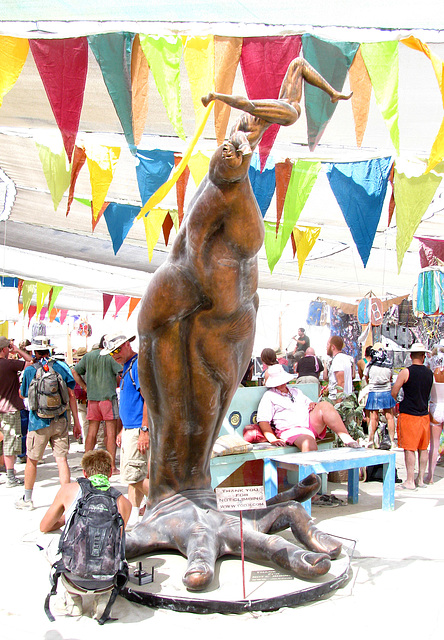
(92, 546)
(48, 384)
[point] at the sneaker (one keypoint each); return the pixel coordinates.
(13, 482)
(99, 604)
(27, 505)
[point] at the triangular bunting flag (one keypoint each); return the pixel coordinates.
(431, 252)
(120, 301)
(227, 52)
(63, 314)
(113, 54)
(102, 162)
(332, 60)
(198, 166)
(78, 161)
(412, 197)
(264, 62)
(13, 53)
(304, 240)
(361, 86)
(360, 188)
(382, 62)
(57, 171)
(391, 208)
(166, 228)
(153, 168)
(119, 220)
(163, 55)
(107, 299)
(53, 295)
(153, 225)
(52, 314)
(43, 290)
(63, 65)
(31, 313)
(283, 174)
(263, 184)
(43, 313)
(303, 178)
(132, 305)
(139, 89)
(198, 55)
(28, 289)
(95, 220)
(181, 187)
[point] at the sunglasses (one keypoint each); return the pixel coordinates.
(114, 352)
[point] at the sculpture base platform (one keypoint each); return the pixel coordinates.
(266, 588)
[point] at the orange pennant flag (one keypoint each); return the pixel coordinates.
(166, 227)
(361, 86)
(94, 220)
(181, 187)
(392, 197)
(283, 174)
(53, 314)
(227, 52)
(139, 89)
(79, 159)
(132, 305)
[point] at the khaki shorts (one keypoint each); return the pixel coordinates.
(11, 427)
(133, 464)
(56, 434)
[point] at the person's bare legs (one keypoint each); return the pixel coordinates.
(110, 440)
(374, 415)
(423, 455)
(435, 434)
(325, 415)
(291, 89)
(305, 443)
(30, 473)
(390, 425)
(64, 472)
(409, 459)
(91, 438)
(137, 490)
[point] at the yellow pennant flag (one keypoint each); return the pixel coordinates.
(198, 54)
(42, 291)
(57, 170)
(305, 239)
(102, 162)
(162, 191)
(13, 53)
(198, 166)
(153, 226)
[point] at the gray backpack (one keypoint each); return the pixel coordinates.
(48, 393)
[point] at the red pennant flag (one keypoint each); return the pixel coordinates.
(431, 251)
(283, 174)
(31, 313)
(392, 197)
(181, 187)
(77, 163)
(133, 304)
(293, 245)
(264, 62)
(107, 299)
(120, 301)
(166, 227)
(63, 314)
(63, 65)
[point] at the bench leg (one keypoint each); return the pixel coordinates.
(388, 485)
(353, 485)
(270, 478)
(303, 473)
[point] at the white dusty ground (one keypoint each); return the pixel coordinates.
(395, 588)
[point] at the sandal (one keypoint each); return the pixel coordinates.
(327, 501)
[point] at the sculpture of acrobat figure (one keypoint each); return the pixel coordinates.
(196, 327)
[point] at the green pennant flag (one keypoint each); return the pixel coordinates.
(303, 177)
(42, 291)
(382, 62)
(57, 171)
(53, 296)
(412, 198)
(163, 55)
(27, 293)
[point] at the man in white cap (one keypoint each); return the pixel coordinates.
(134, 437)
(295, 419)
(413, 420)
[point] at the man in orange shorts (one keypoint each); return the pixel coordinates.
(413, 420)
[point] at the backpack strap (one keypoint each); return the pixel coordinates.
(120, 580)
(57, 569)
(129, 370)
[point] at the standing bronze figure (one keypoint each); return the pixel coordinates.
(196, 328)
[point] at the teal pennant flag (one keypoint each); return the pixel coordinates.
(153, 168)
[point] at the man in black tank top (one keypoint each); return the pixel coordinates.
(413, 420)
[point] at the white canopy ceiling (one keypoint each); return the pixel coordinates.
(40, 244)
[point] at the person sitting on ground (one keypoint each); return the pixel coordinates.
(295, 419)
(97, 466)
(309, 368)
(378, 374)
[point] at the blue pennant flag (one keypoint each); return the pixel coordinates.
(153, 168)
(6, 281)
(360, 189)
(263, 184)
(119, 220)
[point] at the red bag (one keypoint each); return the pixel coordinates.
(253, 434)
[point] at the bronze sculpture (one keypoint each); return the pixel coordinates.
(196, 328)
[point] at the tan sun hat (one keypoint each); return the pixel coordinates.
(113, 341)
(277, 376)
(418, 347)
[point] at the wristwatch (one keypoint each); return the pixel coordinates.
(144, 429)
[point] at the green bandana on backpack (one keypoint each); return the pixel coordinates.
(99, 481)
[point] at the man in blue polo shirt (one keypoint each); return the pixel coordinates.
(134, 437)
(42, 431)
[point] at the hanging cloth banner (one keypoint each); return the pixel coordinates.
(198, 55)
(305, 239)
(113, 54)
(361, 86)
(430, 295)
(78, 161)
(227, 52)
(28, 289)
(119, 220)
(42, 292)
(102, 162)
(179, 169)
(132, 305)
(153, 225)
(163, 54)
(412, 196)
(181, 187)
(382, 62)
(302, 180)
(431, 252)
(13, 54)
(57, 171)
(283, 174)
(264, 63)
(263, 183)
(53, 295)
(360, 188)
(139, 89)
(198, 166)
(63, 314)
(153, 168)
(63, 65)
(332, 60)
(120, 301)
(107, 299)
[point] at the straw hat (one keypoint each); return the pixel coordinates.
(418, 347)
(113, 341)
(80, 352)
(277, 376)
(40, 344)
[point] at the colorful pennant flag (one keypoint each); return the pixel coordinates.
(63, 65)
(431, 252)
(227, 53)
(119, 302)
(119, 220)
(57, 171)
(264, 62)
(53, 295)
(78, 161)
(360, 188)
(263, 183)
(13, 54)
(198, 55)
(153, 167)
(102, 162)
(139, 89)
(42, 292)
(107, 299)
(283, 174)
(302, 180)
(305, 239)
(198, 166)
(332, 60)
(430, 294)
(132, 305)
(153, 225)
(181, 187)
(28, 289)
(361, 86)
(382, 62)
